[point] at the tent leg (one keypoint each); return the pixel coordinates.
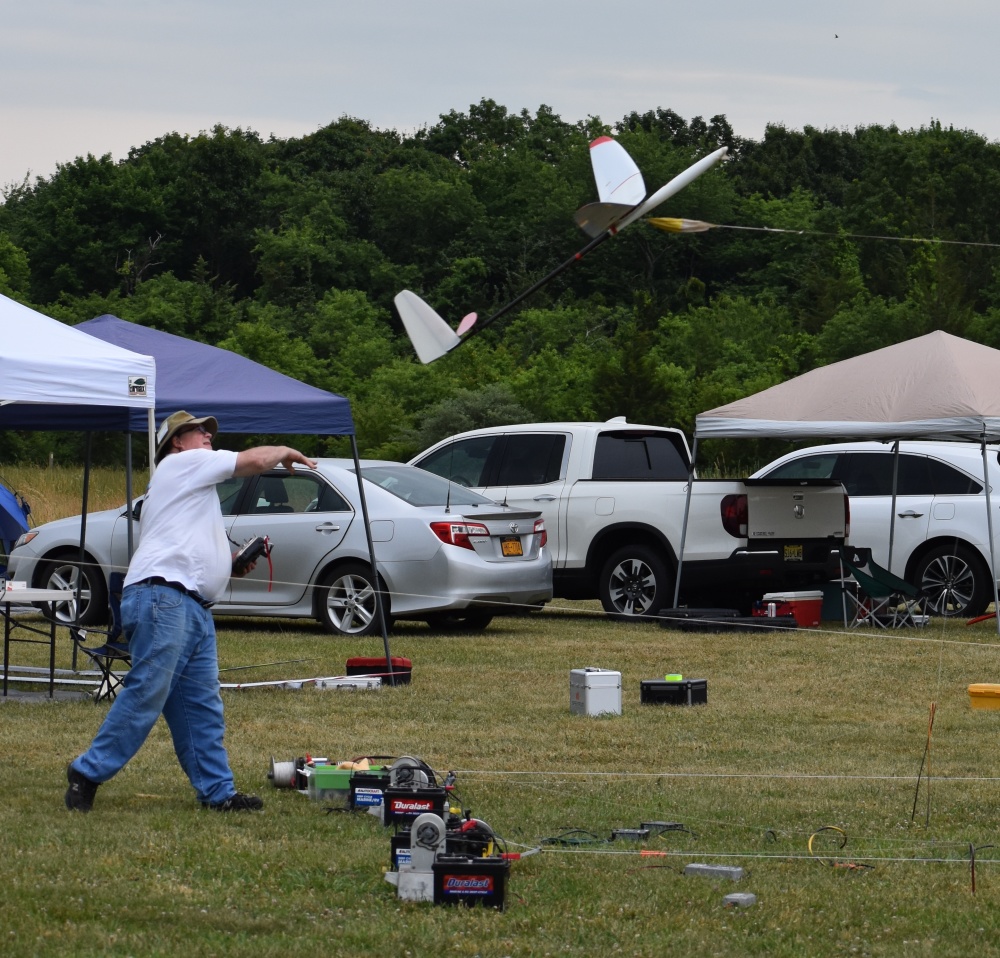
(128, 494)
(989, 528)
(892, 505)
(83, 535)
(371, 554)
(684, 525)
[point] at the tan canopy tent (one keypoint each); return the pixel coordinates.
(936, 386)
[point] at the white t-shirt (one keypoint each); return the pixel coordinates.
(182, 536)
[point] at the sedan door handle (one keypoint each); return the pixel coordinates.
(547, 497)
(909, 515)
(327, 527)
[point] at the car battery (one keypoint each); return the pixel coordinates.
(595, 691)
(367, 789)
(464, 880)
(402, 669)
(399, 849)
(678, 692)
(404, 804)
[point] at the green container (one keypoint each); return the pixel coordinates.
(327, 783)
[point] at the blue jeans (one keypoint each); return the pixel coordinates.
(175, 672)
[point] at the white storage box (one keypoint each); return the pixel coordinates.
(595, 692)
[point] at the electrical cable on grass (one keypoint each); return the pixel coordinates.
(575, 837)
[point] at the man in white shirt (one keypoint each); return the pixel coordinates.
(180, 568)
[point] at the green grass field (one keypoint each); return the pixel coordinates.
(802, 731)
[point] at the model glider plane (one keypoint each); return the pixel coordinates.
(621, 201)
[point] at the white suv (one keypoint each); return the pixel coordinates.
(940, 538)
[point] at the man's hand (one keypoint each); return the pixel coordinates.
(294, 456)
(259, 459)
(245, 570)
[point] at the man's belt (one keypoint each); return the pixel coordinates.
(183, 589)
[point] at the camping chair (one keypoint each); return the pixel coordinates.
(112, 655)
(873, 595)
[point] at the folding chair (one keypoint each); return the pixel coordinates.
(873, 595)
(109, 657)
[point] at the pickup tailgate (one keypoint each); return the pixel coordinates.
(788, 514)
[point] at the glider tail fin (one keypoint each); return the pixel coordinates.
(431, 336)
(620, 187)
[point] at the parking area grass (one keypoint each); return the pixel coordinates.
(808, 768)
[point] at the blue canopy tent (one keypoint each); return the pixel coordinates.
(13, 519)
(244, 396)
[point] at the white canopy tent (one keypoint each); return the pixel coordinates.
(54, 377)
(50, 373)
(936, 386)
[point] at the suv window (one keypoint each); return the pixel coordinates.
(463, 461)
(948, 481)
(635, 456)
(821, 466)
(870, 474)
(531, 459)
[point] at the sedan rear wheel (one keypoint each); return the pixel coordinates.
(64, 572)
(347, 601)
(955, 581)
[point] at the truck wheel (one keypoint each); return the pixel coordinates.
(347, 601)
(635, 583)
(955, 580)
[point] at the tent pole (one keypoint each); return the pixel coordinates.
(684, 526)
(892, 513)
(989, 529)
(379, 607)
(128, 489)
(83, 538)
(151, 434)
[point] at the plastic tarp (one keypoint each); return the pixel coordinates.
(936, 386)
(13, 517)
(244, 396)
(50, 371)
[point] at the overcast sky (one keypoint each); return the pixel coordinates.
(101, 76)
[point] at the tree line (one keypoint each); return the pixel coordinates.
(828, 243)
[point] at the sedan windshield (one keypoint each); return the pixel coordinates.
(420, 488)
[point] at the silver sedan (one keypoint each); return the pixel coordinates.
(445, 554)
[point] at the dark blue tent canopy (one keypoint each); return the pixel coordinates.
(13, 517)
(244, 396)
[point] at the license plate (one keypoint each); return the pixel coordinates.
(793, 553)
(511, 546)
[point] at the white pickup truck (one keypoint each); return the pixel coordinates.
(614, 495)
